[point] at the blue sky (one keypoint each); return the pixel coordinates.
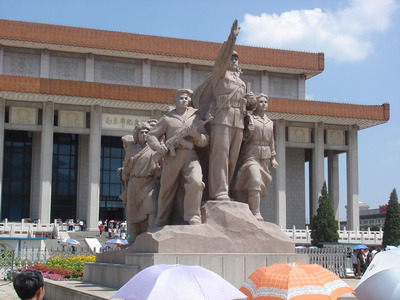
(360, 39)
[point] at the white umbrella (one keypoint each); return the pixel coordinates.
(177, 282)
(381, 281)
(390, 248)
(69, 241)
(117, 241)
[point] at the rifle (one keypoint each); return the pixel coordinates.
(179, 138)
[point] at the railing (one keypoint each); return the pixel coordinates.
(337, 260)
(303, 236)
(299, 236)
(11, 260)
(27, 230)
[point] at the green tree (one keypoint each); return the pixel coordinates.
(324, 227)
(391, 229)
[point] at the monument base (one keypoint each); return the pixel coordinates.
(227, 227)
(230, 242)
(234, 267)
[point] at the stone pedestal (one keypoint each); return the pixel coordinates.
(234, 267)
(228, 227)
(230, 242)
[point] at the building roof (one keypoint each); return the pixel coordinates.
(55, 37)
(113, 95)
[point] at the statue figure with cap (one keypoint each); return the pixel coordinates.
(257, 154)
(141, 176)
(181, 167)
(225, 96)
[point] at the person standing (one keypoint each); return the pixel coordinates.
(101, 228)
(81, 225)
(355, 263)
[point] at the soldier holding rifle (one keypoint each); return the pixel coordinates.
(181, 162)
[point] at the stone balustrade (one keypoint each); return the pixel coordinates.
(27, 230)
(368, 237)
(299, 236)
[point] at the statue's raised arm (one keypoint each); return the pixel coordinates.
(225, 53)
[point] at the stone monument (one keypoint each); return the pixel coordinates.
(215, 149)
(230, 123)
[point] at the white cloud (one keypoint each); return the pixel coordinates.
(342, 34)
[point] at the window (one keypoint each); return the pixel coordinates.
(15, 204)
(112, 155)
(64, 176)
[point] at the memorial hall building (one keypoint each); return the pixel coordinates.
(68, 95)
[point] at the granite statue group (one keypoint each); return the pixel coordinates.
(218, 134)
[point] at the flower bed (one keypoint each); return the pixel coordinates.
(63, 268)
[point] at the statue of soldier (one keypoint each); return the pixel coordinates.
(225, 96)
(181, 164)
(141, 173)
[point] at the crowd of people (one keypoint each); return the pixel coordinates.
(362, 258)
(71, 224)
(114, 229)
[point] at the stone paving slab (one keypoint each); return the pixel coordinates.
(102, 292)
(7, 291)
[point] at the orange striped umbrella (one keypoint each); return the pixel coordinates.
(294, 281)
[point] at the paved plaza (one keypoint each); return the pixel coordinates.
(7, 291)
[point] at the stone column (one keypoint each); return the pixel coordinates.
(280, 180)
(46, 161)
(301, 87)
(45, 63)
(35, 169)
(187, 76)
(317, 168)
(1, 58)
(353, 213)
(94, 168)
(89, 67)
(146, 73)
(264, 83)
(2, 114)
(333, 183)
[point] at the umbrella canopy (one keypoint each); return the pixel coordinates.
(301, 247)
(381, 281)
(69, 241)
(294, 281)
(360, 246)
(117, 241)
(313, 247)
(177, 282)
(390, 248)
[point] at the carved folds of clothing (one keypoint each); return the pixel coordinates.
(143, 186)
(185, 164)
(257, 151)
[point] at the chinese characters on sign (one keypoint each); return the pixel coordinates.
(114, 121)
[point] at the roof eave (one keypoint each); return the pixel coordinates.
(144, 56)
(111, 103)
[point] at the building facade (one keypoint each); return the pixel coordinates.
(68, 95)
